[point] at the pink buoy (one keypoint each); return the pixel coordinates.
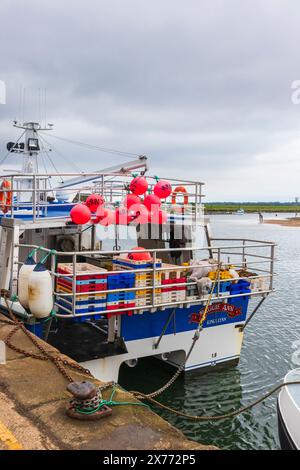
(162, 189)
(139, 214)
(143, 255)
(131, 199)
(138, 185)
(80, 214)
(93, 201)
(105, 217)
(152, 202)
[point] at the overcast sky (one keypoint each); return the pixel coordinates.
(201, 87)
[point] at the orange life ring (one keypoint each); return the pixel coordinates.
(181, 190)
(5, 196)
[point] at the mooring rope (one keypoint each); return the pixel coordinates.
(138, 395)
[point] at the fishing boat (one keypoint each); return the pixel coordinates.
(240, 212)
(288, 409)
(108, 283)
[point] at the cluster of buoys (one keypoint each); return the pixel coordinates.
(133, 210)
(35, 288)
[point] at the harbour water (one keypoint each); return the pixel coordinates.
(271, 348)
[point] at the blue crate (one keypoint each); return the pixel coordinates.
(120, 296)
(224, 286)
(83, 308)
(120, 280)
(85, 282)
(241, 287)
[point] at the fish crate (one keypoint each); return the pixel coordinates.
(143, 280)
(89, 278)
(144, 297)
(121, 304)
(82, 286)
(126, 263)
(124, 280)
(82, 302)
(82, 307)
(173, 296)
(222, 288)
(171, 292)
(84, 271)
(258, 283)
(172, 271)
(121, 299)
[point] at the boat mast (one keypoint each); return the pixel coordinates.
(30, 152)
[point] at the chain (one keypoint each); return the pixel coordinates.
(142, 396)
(45, 355)
(60, 364)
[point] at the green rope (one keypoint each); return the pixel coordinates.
(33, 252)
(110, 402)
(51, 315)
(51, 252)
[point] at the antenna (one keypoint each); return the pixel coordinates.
(23, 104)
(45, 103)
(39, 105)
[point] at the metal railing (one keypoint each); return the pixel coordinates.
(33, 195)
(241, 258)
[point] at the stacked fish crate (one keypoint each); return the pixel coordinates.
(143, 296)
(170, 276)
(121, 299)
(89, 281)
(174, 279)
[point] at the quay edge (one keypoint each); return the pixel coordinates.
(33, 399)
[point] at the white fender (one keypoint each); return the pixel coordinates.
(24, 274)
(40, 292)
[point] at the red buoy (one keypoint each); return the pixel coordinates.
(143, 255)
(104, 216)
(122, 216)
(131, 199)
(80, 214)
(152, 202)
(139, 214)
(162, 189)
(139, 185)
(93, 201)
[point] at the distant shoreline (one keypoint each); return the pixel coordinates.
(251, 208)
(292, 222)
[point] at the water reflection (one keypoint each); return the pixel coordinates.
(267, 355)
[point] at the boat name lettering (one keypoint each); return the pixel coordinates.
(231, 310)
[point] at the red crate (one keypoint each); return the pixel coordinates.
(91, 287)
(85, 271)
(120, 305)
